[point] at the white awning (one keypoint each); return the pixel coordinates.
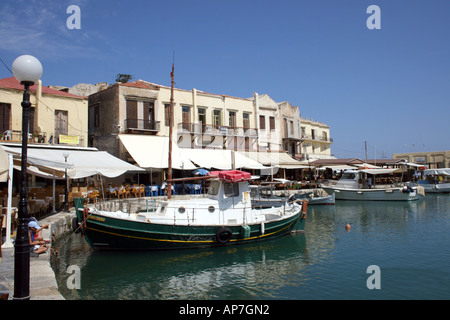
(275, 159)
(153, 152)
(378, 171)
(81, 163)
(4, 166)
(220, 159)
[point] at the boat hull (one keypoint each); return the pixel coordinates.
(437, 188)
(108, 233)
(391, 194)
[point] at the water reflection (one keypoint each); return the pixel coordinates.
(408, 240)
(237, 272)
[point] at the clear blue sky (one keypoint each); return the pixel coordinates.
(389, 87)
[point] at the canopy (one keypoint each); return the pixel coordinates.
(442, 171)
(4, 166)
(275, 159)
(378, 171)
(81, 162)
(220, 159)
(152, 152)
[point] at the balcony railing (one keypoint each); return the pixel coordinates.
(41, 138)
(316, 138)
(141, 125)
(216, 130)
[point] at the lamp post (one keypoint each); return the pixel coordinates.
(66, 193)
(27, 69)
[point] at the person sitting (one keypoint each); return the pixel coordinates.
(34, 224)
(37, 245)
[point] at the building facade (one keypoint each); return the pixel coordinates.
(316, 140)
(432, 159)
(56, 117)
(258, 127)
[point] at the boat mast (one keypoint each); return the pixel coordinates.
(169, 173)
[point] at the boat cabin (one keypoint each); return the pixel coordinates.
(231, 189)
(365, 178)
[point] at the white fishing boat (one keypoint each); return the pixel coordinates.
(436, 180)
(361, 185)
(223, 217)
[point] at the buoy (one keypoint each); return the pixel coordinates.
(347, 227)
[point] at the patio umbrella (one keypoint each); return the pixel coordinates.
(200, 172)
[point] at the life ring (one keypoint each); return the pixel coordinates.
(223, 235)
(75, 225)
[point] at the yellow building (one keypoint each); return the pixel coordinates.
(56, 117)
(316, 140)
(432, 159)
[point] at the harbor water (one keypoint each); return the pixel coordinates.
(407, 242)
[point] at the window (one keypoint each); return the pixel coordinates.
(272, 123)
(61, 123)
(246, 120)
(232, 119)
(291, 123)
(166, 115)
(202, 115)
(216, 118)
(231, 189)
(149, 115)
(5, 117)
(262, 122)
(186, 117)
(132, 116)
(214, 187)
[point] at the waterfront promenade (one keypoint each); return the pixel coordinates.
(43, 285)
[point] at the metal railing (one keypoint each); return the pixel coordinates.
(143, 125)
(216, 130)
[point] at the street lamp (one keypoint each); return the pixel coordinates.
(66, 193)
(28, 70)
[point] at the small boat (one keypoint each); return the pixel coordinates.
(436, 180)
(313, 198)
(360, 185)
(262, 196)
(223, 217)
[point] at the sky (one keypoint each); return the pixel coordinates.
(387, 88)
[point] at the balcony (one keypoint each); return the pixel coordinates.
(316, 138)
(41, 138)
(141, 125)
(216, 130)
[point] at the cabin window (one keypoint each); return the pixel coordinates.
(214, 188)
(348, 175)
(231, 189)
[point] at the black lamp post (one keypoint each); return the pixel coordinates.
(66, 190)
(27, 69)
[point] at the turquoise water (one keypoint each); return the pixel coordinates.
(408, 241)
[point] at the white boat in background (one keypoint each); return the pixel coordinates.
(436, 180)
(361, 185)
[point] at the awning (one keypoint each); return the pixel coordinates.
(153, 152)
(81, 162)
(378, 171)
(4, 166)
(220, 159)
(275, 159)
